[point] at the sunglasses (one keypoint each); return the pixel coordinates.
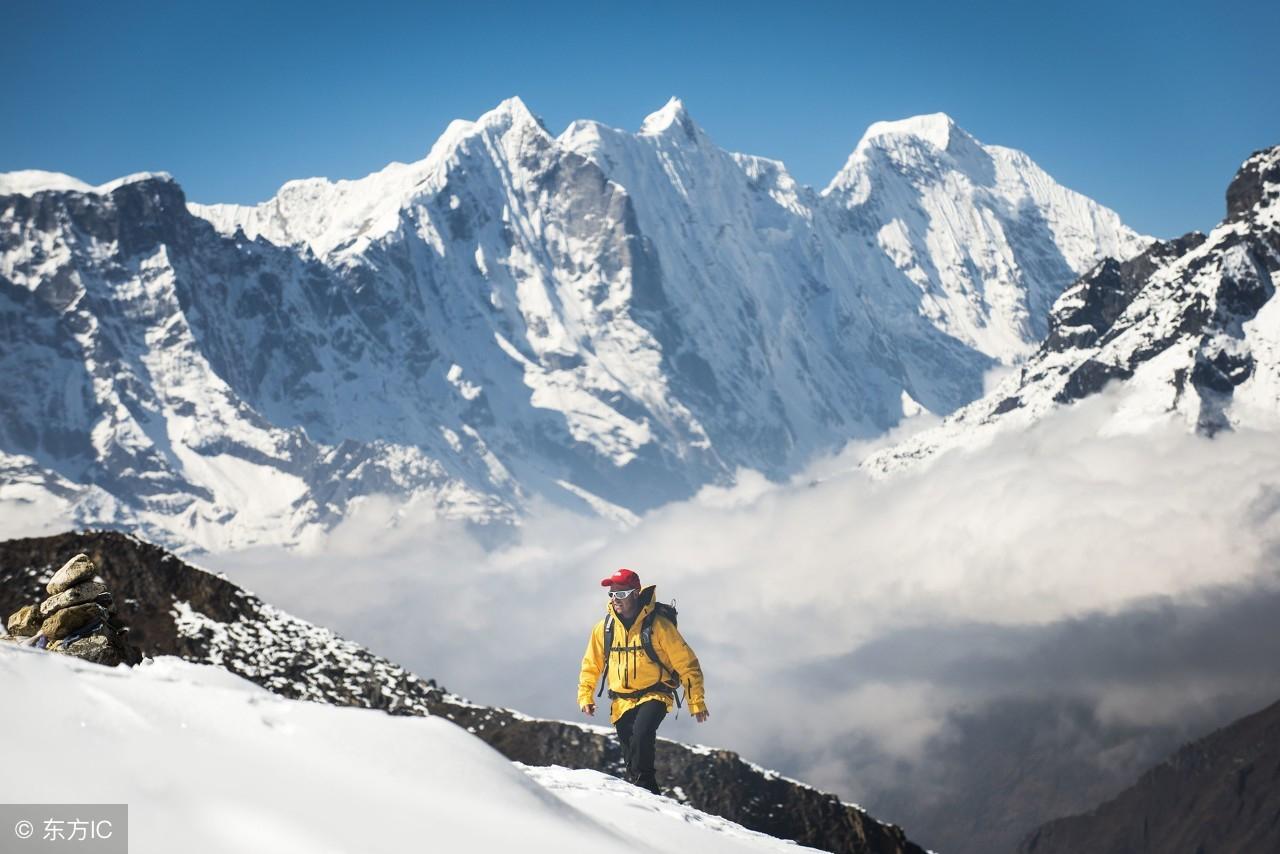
(622, 594)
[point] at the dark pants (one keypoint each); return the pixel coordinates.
(638, 734)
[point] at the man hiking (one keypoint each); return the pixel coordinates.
(647, 662)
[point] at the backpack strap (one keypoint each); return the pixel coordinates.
(608, 652)
(646, 641)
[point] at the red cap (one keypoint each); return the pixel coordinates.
(622, 578)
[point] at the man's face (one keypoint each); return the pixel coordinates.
(629, 606)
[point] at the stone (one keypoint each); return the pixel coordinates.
(62, 623)
(74, 571)
(24, 622)
(88, 591)
(96, 648)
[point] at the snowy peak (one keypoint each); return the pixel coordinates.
(1187, 332)
(672, 117)
(340, 219)
(920, 148)
(1000, 235)
(510, 114)
(606, 319)
(27, 182)
(936, 129)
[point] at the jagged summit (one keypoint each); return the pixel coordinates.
(345, 215)
(1256, 185)
(510, 113)
(583, 319)
(672, 115)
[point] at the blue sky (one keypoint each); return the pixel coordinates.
(1144, 106)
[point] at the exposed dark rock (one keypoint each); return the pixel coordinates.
(99, 648)
(1219, 794)
(1222, 371)
(1097, 299)
(1249, 188)
(1216, 292)
(1090, 378)
(173, 608)
(1007, 405)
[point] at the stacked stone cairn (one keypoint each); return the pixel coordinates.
(77, 619)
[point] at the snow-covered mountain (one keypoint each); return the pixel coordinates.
(1188, 331)
(605, 319)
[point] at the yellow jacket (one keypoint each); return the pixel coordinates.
(631, 669)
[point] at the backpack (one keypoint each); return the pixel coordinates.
(660, 609)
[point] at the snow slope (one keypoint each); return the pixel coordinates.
(211, 763)
(608, 320)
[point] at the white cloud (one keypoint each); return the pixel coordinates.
(803, 599)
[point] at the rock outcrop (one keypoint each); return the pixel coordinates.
(78, 618)
(173, 608)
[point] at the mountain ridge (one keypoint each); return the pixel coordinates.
(605, 320)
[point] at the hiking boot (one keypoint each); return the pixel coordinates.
(648, 782)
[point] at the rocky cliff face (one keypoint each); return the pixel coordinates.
(603, 319)
(1188, 330)
(1218, 794)
(173, 608)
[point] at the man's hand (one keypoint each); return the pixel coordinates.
(701, 716)
(589, 709)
